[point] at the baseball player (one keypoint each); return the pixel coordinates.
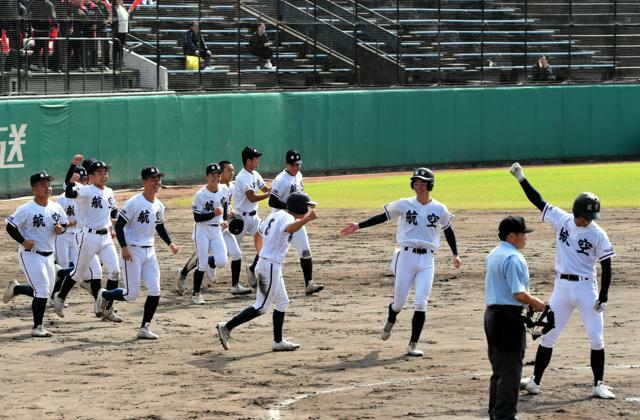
(209, 208)
(287, 182)
(66, 244)
(580, 244)
(34, 225)
(245, 199)
(141, 215)
(233, 249)
(277, 230)
(419, 219)
(96, 206)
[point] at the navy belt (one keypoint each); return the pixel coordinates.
(573, 277)
(249, 213)
(417, 250)
(142, 246)
(44, 254)
(510, 308)
(213, 224)
(98, 231)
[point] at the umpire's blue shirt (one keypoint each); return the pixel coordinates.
(507, 274)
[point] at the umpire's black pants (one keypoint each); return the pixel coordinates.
(505, 333)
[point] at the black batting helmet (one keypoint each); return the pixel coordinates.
(587, 205)
(423, 173)
(299, 203)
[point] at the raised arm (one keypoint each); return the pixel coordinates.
(534, 196)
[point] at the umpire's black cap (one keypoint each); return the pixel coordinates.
(150, 172)
(512, 224)
(40, 176)
(250, 152)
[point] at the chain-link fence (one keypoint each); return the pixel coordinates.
(83, 46)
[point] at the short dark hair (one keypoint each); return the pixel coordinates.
(223, 164)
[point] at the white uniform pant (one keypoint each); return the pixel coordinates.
(66, 249)
(300, 240)
(90, 246)
(39, 271)
(209, 241)
(143, 266)
(271, 288)
(250, 225)
(233, 249)
(567, 296)
(412, 270)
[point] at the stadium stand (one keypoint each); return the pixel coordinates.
(342, 43)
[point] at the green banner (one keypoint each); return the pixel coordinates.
(338, 130)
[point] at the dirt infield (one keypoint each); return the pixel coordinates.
(96, 369)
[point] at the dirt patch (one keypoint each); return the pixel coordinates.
(95, 369)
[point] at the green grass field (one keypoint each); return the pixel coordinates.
(617, 185)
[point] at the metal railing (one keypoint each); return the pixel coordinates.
(325, 43)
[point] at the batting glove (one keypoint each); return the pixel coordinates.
(600, 306)
(516, 171)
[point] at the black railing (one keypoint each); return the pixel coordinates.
(320, 43)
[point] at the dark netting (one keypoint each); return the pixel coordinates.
(91, 46)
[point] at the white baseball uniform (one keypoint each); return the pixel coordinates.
(245, 209)
(93, 208)
(36, 223)
(66, 244)
(142, 216)
(418, 238)
(207, 235)
(271, 287)
(282, 187)
(577, 251)
(229, 238)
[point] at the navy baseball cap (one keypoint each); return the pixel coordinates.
(250, 153)
(97, 164)
(293, 157)
(40, 176)
(212, 168)
(80, 171)
(150, 172)
(512, 224)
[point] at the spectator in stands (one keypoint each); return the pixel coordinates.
(194, 44)
(260, 46)
(542, 71)
(9, 38)
(102, 25)
(120, 29)
(43, 18)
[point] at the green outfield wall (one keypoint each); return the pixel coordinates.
(333, 130)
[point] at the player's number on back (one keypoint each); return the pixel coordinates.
(266, 231)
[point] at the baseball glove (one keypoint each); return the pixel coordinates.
(236, 226)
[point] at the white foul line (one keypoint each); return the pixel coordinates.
(274, 411)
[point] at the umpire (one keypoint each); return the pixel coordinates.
(506, 293)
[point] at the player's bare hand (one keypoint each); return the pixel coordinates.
(74, 178)
(126, 254)
(174, 248)
(224, 225)
(312, 215)
(112, 232)
(28, 244)
(516, 171)
(218, 211)
(457, 262)
(77, 160)
(351, 227)
(600, 306)
(538, 305)
(58, 229)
